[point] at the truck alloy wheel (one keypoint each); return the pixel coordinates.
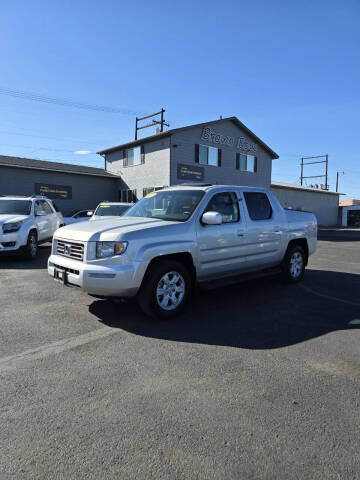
(296, 265)
(165, 290)
(293, 265)
(170, 290)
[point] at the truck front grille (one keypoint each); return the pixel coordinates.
(70, 250)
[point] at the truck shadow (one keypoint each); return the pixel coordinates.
(261, 314)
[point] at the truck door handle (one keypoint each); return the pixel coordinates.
(277, 229)
(240, 233)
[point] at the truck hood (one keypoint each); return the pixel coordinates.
(108, 230)
(5, 218)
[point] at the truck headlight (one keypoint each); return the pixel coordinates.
(11, 227)
(109, 249)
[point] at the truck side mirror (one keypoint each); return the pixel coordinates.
(211, 218)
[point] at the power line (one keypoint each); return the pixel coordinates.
(52, 138)
(33, 147)
(64, 102)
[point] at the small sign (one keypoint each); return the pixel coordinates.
(190, 172)
(53, 191)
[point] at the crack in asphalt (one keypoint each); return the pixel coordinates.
(21, 360)
(329, 297)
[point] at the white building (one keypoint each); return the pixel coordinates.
(323, 203)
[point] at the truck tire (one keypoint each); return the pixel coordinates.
(165, 290)
(31, 248)
(293, 265)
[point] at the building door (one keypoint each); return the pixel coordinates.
(127, 196)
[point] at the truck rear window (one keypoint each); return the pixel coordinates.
(258, 205)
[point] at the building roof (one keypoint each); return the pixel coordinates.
(151, 138)
(20, 162)
(290, 186)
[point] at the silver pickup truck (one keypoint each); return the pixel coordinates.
(181, 236)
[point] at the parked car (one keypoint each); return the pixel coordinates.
(177, 237)
(110, 209)
(78, 216)
(25, 222)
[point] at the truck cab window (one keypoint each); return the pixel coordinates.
(258, 205)
(227, 204)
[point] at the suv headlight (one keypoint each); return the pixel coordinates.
(109, 249)
(11, 227)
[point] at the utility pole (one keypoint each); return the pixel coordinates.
(326, 161)
(154, 122)
(337, 179)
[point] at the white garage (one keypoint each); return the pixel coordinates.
(323, 203)
(350, 216)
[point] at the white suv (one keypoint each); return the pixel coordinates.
(25, 222)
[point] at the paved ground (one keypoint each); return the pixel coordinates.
(256, 381)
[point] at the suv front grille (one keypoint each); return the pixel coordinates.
(70, 250)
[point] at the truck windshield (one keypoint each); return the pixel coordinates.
(176, 205)
(15, 207)
(111, 210)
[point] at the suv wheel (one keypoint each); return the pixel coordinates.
(31, 247)
(165, 290)
(294, 264)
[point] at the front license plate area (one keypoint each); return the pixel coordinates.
(60, 276)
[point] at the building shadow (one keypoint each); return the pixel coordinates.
(261, 314)
(343, 235)
(14, 261)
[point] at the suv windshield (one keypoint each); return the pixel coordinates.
(111, 210)
(19, 207)
(176, 205)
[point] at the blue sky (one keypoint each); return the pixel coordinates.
(289, 70)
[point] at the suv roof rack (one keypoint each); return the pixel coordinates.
(16, 196)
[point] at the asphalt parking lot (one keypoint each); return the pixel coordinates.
(259, 380)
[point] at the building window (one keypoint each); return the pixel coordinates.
(134, 156)
(127, 196)
(258, 205)
(206, 155)
(246, 163)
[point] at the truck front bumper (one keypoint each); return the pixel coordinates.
(114, 281)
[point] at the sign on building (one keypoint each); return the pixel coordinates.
(53, 191)
(190, 172)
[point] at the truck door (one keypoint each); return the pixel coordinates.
(221, 247)
(264, 227)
